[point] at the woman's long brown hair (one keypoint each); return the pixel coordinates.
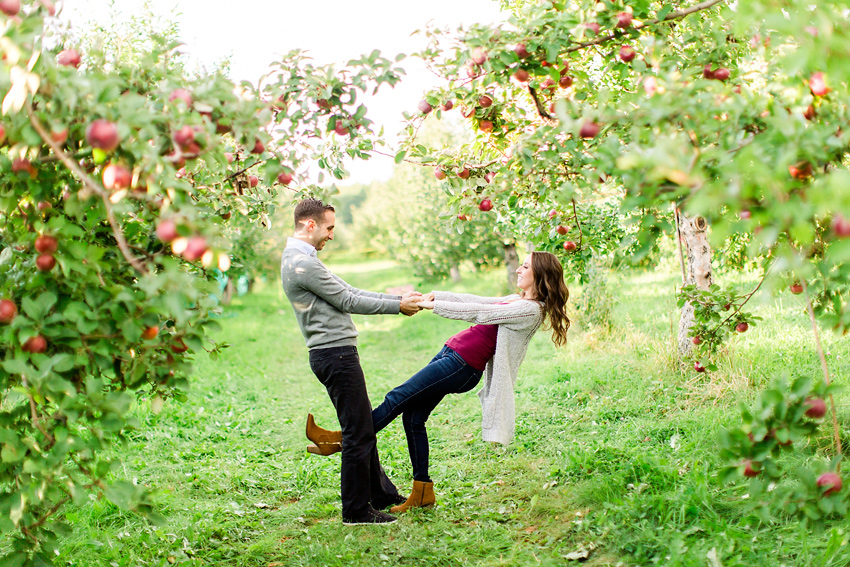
(551, 290)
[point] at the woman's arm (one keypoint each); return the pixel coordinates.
(517, 314)
(468, 297)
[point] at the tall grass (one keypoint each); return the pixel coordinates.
(615, 457)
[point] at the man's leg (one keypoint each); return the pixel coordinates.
(338, 369)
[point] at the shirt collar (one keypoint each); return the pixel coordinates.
(298, 244)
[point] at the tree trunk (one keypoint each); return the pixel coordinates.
(454, 272)
(227, 296)
(511, 263)
(693, 235)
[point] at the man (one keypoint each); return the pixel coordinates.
(322, 303)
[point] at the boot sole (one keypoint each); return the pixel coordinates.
(325, 449)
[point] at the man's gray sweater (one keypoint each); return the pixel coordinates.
(322, 301)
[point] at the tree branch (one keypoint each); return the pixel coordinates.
(91, 185)
(671, 16)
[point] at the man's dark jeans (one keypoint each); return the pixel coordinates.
(447, 373)
(363, 480)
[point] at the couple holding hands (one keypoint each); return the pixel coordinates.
(492, 348)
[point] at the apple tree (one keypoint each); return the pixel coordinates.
(121, 175)
(728, 115)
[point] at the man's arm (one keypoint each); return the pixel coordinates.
(315, 277)
(363, 292)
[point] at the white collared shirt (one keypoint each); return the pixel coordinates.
(299, 244)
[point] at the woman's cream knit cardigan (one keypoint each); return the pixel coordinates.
(517, 321)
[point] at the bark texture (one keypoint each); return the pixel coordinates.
(511, 264)
(693, 233)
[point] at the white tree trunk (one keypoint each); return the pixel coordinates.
(511, 263)
(694, 238)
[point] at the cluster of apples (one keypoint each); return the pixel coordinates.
(569, 245)
(8, 311)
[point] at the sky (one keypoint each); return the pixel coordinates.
(254, 33)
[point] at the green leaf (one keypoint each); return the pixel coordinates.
(662, 13)
(399, 157)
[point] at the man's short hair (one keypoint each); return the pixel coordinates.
(311, 209)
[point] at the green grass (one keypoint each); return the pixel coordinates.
(615, 450)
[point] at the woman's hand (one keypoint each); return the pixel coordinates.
(428, 297)
(429, 304)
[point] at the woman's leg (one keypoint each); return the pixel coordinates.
(396, 400)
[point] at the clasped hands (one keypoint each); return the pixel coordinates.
(413, 302)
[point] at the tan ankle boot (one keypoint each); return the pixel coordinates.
(324, 449)
(321, 436)
(421, 497)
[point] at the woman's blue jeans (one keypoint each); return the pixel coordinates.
(447, 373)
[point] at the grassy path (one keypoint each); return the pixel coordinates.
(615, 455)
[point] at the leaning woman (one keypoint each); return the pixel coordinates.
(493, 348)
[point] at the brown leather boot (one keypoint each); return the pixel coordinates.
(324, 449)
(321, 436)
(421, 497)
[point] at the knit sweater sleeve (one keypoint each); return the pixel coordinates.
(517, 314)
(312, 275)
(468, 297)
(363, 292)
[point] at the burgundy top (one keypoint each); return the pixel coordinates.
(476, 345)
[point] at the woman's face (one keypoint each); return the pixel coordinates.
(524, 276)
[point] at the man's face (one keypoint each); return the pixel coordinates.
(324, 230)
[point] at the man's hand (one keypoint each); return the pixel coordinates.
(411, 294)
(410, 304)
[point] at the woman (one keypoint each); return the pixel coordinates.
(494, 348)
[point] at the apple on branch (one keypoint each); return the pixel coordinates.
(8, 311)
(35, 344)
(485, 205)
(103, 134)
(831, 481)
(69, 58)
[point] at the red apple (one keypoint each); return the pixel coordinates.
(830, 480)
(463, 217)
(565, 82)
(489, 176)
(624, 20)
(650, 85)
(627, 53)
(284, 178)
(439, 174)
(521, 75)
(463, 173)
(840, 226)
(742, 327)
(8, 311)
(181, 94)
(195, 248)
(44, 206)
(589, 130)
(553, 213)
(35, 344)
(45, 262)
(2, 134)
(697, 340)
(521, 50)
(699, 367)
(166, 230)
(816, 407)
(562, 230)
(184, 136)
(10, 7)
(592, 26)
(323, 104)
(229, 157)
(744, 215)
(178, 346)
(485, 205)
(749, 471)
(424, 107)
(485, 125)
(20, 164)
(722, 74)
(707, 73)
(258, 147)
(569, 246)
(801, 170)
(796, 288)
(340, 129)
(817, 84)
(448, 105)
(59, 136)
(485, 101)
(253, 180)
(116, 177)
(46, 244)
(69, 58)
(181, 173)
(102, 134)
(479, 56)
(150, 333)
(548, 84)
